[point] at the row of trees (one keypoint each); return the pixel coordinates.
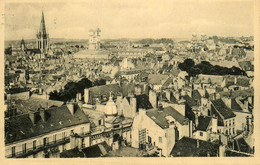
(155, 41)
(206, 68)
(72, 88)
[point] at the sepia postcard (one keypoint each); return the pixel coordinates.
(161, 82)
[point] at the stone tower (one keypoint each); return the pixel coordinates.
(42, 37)
(94, 39)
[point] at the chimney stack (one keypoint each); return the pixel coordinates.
(196, 119)
(86, 95)
(190, 128)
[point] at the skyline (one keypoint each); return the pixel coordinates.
(116, 19)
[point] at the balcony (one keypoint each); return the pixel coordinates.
(30, 151)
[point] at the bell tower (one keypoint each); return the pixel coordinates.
(42, 37)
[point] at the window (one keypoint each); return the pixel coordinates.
(165, 134)
(229, 122)
(45, 141)
(201, 133)
(63, 135)
(82, 130)
(149, 140)
(160, 139)
(13, 151)
(54, 138)
(233, 121)
(226, 123)
(233, 131)
(24, 147)
(99, 122)
(34, 144)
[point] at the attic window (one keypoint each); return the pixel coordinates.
(51, 125)
(60, 122)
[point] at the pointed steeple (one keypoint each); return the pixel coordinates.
(42, 25)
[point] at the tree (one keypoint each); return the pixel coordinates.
(71, 89)
(99, 82)
(206, 68)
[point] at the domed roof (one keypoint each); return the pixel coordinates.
(110, 109)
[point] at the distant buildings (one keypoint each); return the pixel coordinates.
(140, 98)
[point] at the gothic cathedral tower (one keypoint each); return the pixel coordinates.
(42, 37)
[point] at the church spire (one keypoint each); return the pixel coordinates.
(42, 25)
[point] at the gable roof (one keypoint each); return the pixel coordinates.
(158, 116)
(222, 109)
(21, 127)
(190, 101)
(143, 102)
(204, 122)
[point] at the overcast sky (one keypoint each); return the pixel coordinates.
(131, 18)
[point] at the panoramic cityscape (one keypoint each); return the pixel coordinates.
(140, 91)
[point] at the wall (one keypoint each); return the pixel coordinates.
(197, 135)
(240, 119)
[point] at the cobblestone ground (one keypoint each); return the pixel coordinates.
(125, 151)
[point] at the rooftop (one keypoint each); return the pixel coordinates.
(159, 116)
(188, 147)
(221, 108)
(21, 127)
